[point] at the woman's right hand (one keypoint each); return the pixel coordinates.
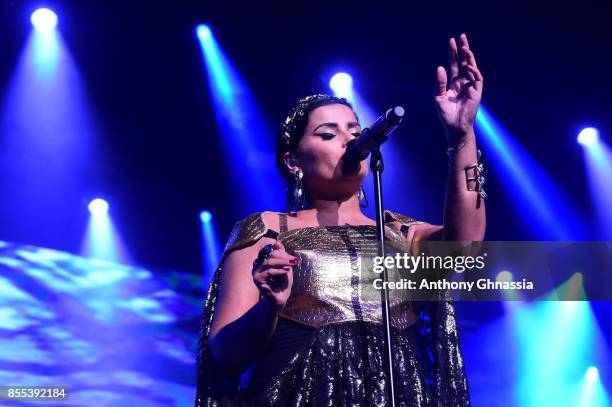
(274, 278)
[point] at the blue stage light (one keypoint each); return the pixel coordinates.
(504, 276)
(102, 239)
(203, 32)
(598, 160)
(205, 216)
(44, 20)
(588, 136)
(551, 216)
(342, 84)
(211, 247)
(98, 206)
(241, 128)
(46, 113)
(592, 374)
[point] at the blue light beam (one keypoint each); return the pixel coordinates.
(540, 202)
(247, 142)
(48, 141)
(598, 162)
(102, 240)
(590, 391)
(211, 248)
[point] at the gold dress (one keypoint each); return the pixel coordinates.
(328, 347)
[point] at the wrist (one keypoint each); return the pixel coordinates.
(457, 138)
(466, 148)
(271, 305)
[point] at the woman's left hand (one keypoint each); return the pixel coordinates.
(457, 99)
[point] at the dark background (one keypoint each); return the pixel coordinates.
(546, 67)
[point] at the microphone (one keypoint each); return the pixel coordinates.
(371, 139)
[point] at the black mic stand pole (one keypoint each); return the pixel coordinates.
(377, 167)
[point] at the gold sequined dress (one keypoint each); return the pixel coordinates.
(328, 347)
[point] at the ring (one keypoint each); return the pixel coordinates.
(262, 256)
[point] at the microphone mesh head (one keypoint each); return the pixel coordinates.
(395, 114)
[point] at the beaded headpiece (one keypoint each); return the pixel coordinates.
(299, 110)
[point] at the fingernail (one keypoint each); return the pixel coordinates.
(295, 261)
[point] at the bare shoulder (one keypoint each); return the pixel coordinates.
(271, 220)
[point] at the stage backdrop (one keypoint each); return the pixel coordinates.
(115, 335)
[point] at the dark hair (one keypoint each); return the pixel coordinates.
(293, 127)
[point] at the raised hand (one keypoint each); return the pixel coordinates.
(457, 99)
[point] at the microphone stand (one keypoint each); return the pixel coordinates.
(377, 167)
(369, 143)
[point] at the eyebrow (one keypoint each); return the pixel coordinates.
(335, 125)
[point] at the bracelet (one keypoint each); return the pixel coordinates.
(476, 178)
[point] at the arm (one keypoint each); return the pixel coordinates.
(457, 102)
(464, 211)
(239, 311)
(243, 324)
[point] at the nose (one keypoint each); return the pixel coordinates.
(348, 137)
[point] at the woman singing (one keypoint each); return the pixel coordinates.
(287, 319)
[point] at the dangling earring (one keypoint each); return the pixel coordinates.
(296, 202)
(363, 199)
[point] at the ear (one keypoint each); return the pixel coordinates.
(291, 162)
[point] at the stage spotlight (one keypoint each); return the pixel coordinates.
(205, 216)
(241, 128)
(593, 391)
(504, 276)
(592, 374)
(203, 32)
(102, 240)
(44, 20)
(598, 161)
(342, 84)
(98, 206)
(588, 136)
(211, 247)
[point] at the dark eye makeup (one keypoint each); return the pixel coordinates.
(329, 136)
(326, 136)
